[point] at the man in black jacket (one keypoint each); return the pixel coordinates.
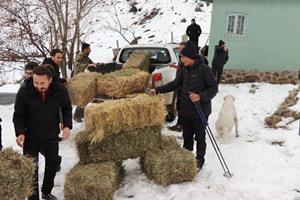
(219, 60)
(194, 31)
(36, 120)
(55, 61)
(198, 86)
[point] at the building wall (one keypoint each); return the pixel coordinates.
(272, 39)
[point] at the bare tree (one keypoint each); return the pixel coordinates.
(122, 29)
(38, 26)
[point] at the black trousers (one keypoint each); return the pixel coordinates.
(217, 71)
(194, 129)
(195, 43)
(50, 149)
(0, 138)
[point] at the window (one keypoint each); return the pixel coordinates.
(236, 26)
(157, 55)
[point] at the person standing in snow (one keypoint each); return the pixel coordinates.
(219, 60)
(194, 31)
(198, 86)
(37, 124)
(82, 62)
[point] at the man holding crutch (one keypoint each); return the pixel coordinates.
(198, 85)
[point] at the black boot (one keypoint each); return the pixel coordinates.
(176, 128)
(48, 197)
(200, 162)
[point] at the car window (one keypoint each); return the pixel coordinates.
(157, 55)
(177, 53)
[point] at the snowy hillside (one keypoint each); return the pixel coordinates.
(265, 162)
(167, 16)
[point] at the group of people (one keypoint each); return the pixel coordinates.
(43, 111)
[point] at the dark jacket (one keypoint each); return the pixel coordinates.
(193, 31)
(220, 57)
(198, 79)
(55, 69)
(39, 119)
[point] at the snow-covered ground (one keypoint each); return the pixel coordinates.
(262, 171)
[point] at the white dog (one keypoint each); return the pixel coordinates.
(227, 119)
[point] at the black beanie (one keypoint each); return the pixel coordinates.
(85, 46)
(189, 51)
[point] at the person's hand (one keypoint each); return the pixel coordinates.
(194, 97)
(65, 133)
(173, 65)
(92, 65)
(20, 140)
(225, 49)
(152, 92)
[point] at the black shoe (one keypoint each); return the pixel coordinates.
(176, 128)
(200, 162)
(48, 197)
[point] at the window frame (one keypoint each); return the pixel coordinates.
(236, 26)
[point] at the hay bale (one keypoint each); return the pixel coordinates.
(82, 88)
(16, 175)
(169, 143)
(138, 60)
(122, 146)
(113, 117)
(93, 181)
(123, 82)
(167, 167)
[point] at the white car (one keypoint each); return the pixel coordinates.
(161, 56)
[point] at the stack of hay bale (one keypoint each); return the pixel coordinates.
(133, 78)
(121, 129)
(115, 130)
(16, 175)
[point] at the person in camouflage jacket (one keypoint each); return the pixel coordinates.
(82, 60)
